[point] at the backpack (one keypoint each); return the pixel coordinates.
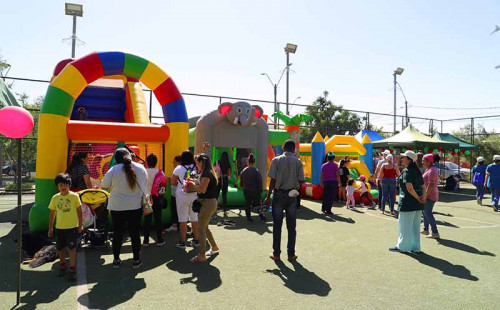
(193, 172)
(478, 179)
(159, 184)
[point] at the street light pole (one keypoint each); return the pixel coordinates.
(289, 48)
(275, 90)
(74, 10)
(73, 38)
(398, 71)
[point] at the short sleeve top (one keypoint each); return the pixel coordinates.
(494, 179)
(329, 170)
(211, 191)
(431, 176)
(66, 210)
(406, 201)
(77, 173)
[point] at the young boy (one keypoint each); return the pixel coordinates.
(66, 206)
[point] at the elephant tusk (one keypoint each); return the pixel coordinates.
(254, 123)
(235, 120)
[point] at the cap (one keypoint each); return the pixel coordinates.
(362, 177)
(330, 155)
(410, 154)
(429, 157)
(496, 157)
(480, 159)
(386, 152)
(389, 156)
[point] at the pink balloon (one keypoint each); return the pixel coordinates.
(15, 122)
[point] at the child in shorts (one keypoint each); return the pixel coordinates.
(66, 207)
(350, 202)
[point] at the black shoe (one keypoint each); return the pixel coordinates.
(249, 219)
(117, 263)
(328, 212)
(62, 271)
(137, 264)
(181, 245)
(195, 243)
(71, 274)
(394, 249)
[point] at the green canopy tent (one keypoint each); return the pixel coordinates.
(448, 137)
(6, 96)
(411, 137)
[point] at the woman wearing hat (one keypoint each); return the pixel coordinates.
(431, 180)
(492, 180)
(410, 205)
(479, 173)
(329, 182)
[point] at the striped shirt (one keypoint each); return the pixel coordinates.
(287, 170)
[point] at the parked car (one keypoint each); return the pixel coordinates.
(450, 169)
(12, 169)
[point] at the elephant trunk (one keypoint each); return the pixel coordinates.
(243, 120)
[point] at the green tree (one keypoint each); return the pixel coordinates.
(329, 119)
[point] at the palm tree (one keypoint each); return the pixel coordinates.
(292, 125)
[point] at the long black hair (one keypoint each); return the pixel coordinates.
(224, 162)
(206, 165)
(76, 160)
(122, 156)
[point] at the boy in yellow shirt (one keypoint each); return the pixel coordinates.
(66, 206)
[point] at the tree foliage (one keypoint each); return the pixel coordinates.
(488, 141)
(329, 119)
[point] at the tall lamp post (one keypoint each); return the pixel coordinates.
(73, 10)
(398, 71)
(289, 48)
(275, 88)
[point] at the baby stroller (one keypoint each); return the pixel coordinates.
(95, 216)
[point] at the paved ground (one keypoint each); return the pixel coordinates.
(343, 263)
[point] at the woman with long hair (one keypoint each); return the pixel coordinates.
(79, 172)
(184, 199)
(329, 181)
(411, 204)
(225, 167)
(207, 195)
(431, 181)
(343, 178)
(127, 184)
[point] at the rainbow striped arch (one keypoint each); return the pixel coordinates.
(56, 129)
(73, 79)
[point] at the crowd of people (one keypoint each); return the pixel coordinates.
(196, 184)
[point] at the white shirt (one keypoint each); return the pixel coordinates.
(151, 177)
(181, 174)
(121, 196)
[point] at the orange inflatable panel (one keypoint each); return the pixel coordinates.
(103, 131)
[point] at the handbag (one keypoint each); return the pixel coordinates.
(146, 202)
(196, 206)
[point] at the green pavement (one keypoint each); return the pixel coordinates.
(344, 263)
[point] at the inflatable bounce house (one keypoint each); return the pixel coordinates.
(237, 129)
(94, 104)
(313, 154)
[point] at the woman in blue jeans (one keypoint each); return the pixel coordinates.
(431, 181)
(493, 181)
(479, 174)
(388, 173)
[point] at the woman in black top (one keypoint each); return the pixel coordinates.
(79, 172)
(344, 177)
(207, 193)
(225, 167)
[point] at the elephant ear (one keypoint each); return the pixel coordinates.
(224, 108)
(258, 112)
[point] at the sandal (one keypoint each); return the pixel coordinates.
(197, 260)
(211, 252)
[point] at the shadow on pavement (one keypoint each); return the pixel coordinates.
(447, 268)
(462, 247)
(300, 280)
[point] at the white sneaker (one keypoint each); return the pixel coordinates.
(171, 228)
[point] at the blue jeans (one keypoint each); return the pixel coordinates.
(282, 202)
(495, 192)
(329, 195)
(380, 194)
(480, 190)
(429, 217)
(389, 192)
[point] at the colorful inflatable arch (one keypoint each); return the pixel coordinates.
(56, 129)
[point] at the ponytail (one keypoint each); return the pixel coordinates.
(122, 156)
(251, 159)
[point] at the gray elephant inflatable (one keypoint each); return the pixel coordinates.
(238, 125)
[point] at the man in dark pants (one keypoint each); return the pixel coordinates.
(287, 174)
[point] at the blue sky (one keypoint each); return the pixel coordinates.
(349, 48)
